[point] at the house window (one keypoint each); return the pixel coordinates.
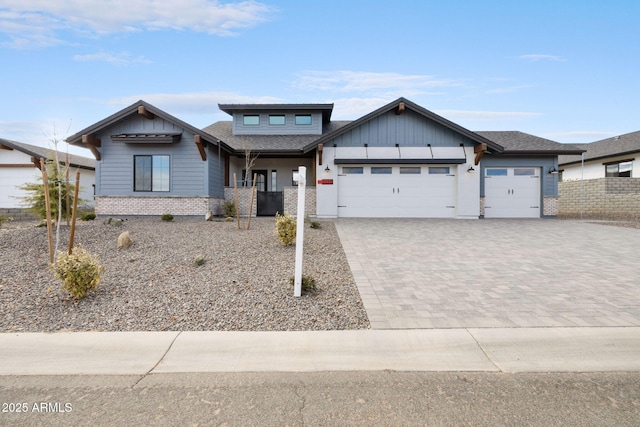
(620, 169)
(251, 120)
(524, 172)
(495, 172)
(439, 170)
(303, 119)
(151, 173)
(380, 170)
(274, 180)
(410, 170)
(276, 120)
(352, 170)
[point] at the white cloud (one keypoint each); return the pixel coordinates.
(38, 23)
(361, 81)
(193, 103)
(580, 136)
(455, 115)
(535, 57)
(354, 108)
(123, 58)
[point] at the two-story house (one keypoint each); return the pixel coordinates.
(400, 160)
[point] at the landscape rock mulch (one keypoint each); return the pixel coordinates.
(242, 282)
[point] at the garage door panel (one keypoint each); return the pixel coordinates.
(511, 193)
(413, 193)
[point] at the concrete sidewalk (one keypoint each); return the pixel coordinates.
(489, 350)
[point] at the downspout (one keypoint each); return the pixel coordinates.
(582, 184)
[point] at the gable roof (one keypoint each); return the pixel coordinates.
(515, 142)
(325, 109)
(133, 110)
(616, 146)
(41, 152)
(264, 144)
(402, 103)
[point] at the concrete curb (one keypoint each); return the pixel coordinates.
(490, 350)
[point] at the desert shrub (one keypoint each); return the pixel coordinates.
(198, 261)
(286, 229)
(88, 216)
(166, 217)
(315, 224)
(35, 200)
(4, 219)
(229, 208)
(308, 283)
(79, 272)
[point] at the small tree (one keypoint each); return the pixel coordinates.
(35, 199)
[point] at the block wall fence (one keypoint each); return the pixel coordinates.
(603, 198)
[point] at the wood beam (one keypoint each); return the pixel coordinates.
(16, 165)
(5, 147)
(479, 149)
(320, 148)
(142, 110)
(400, 109)
(36, 162)
(198, 140)
(92, 142)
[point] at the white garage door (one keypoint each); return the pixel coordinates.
(397, 191)
(512, 192)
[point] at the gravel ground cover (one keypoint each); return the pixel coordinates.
(244, 283)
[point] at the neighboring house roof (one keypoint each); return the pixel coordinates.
(515, 142)
(41, 152)
(617, 146)
(280, 144)
(326, 109)
(399, 105)
(139, 107)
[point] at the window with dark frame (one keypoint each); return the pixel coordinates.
(619, 169)
(303, 119)
(251, 119)
(276, 120)
(151, 173)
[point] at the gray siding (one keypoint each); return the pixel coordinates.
(289, 128)
(188, 171)
(216, 171)
(549, 181)
(408, 129)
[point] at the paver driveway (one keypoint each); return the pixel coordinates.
(431, 273)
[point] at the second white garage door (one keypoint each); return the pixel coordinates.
(512, 192)
(397, 191)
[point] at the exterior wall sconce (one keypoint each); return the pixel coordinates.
(470, 169)
(327, 169)
(553, 170)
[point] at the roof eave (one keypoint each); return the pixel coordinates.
(606, 156)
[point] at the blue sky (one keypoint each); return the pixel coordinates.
(560, 69)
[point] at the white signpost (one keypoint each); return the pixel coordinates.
(300, 178)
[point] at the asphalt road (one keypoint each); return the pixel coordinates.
(379, 398)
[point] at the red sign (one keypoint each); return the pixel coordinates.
(325, 181)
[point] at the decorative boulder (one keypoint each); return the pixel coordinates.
(208, 216)
(124, 240)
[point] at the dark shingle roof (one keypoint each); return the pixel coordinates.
(267, 143)
(616, 146)
(515, 142)
(41, 152)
